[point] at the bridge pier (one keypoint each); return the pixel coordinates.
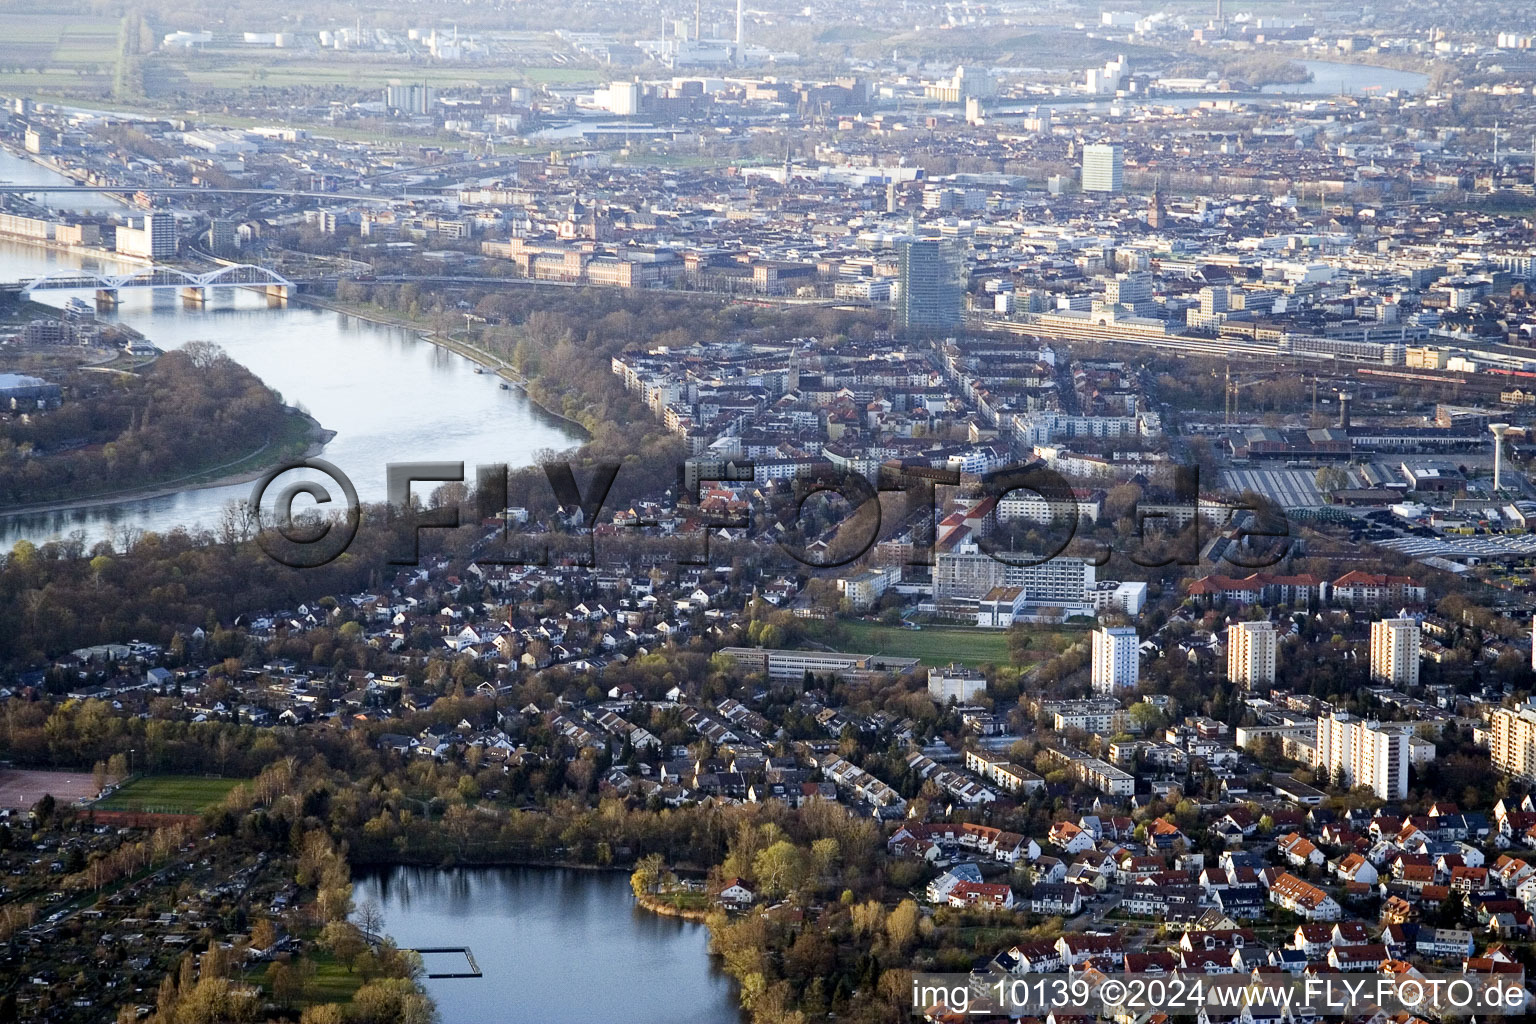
(277, 295)
(106, 298)
(194, 295)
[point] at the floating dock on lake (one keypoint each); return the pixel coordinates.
(469, 958)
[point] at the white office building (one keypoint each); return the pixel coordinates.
(1116, 659)
(955, 682)
(1103, 167)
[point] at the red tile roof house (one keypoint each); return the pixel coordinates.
(984, 895)
(1303, 898)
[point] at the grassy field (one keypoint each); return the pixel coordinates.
(169, 794)
(940, 645)
(935, 645)
(44, 52)
(213, 70)
(332, 983)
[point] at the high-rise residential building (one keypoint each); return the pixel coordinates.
(928, 277)
(154, 237)
(1395, 651)
(1356, 752)
(1103, 167)
(1251, 653)
(1116, 659)
(1512, 747)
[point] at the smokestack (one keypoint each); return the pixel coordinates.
(739, 39)
(1498, 430)
(1346, 399)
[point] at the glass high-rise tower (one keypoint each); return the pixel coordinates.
(929, 278)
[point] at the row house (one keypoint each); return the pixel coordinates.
(1303, 898)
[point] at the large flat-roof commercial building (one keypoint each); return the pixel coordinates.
(791, 666)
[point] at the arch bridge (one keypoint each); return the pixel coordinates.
(193, 287)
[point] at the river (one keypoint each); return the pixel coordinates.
(1332, 78)
(388, 395)
(554, 944)
(1329, 78)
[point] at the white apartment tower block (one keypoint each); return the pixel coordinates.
(1116, 659)
(1395, 651)
(1251, 653)
(1512, 747)
(1362, 753)
(1103, 167)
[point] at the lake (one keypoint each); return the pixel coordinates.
(554, 944)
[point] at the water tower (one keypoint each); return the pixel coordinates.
(1498, 429)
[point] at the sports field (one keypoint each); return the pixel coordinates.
(169, 794)
(934, 645)
(19, 790)
(938, 645)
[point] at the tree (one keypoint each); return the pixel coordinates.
(343, 940)
(646, 878)
(263, 934)
(825, 853)
(1146, 717)
(370, 918)
(779, 868)
(901, 925)
(285, 983)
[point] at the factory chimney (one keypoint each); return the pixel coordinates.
(740, 40)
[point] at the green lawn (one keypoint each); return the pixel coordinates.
(938, 645)
(169, 794)
(935, 645)
(332, 983)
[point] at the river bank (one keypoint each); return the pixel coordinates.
(473, 353)
(318, 438)
(656, 906)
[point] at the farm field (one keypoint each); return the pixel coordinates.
(169, 794)
(41, 52)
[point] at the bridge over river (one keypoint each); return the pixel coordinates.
(193, 287)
